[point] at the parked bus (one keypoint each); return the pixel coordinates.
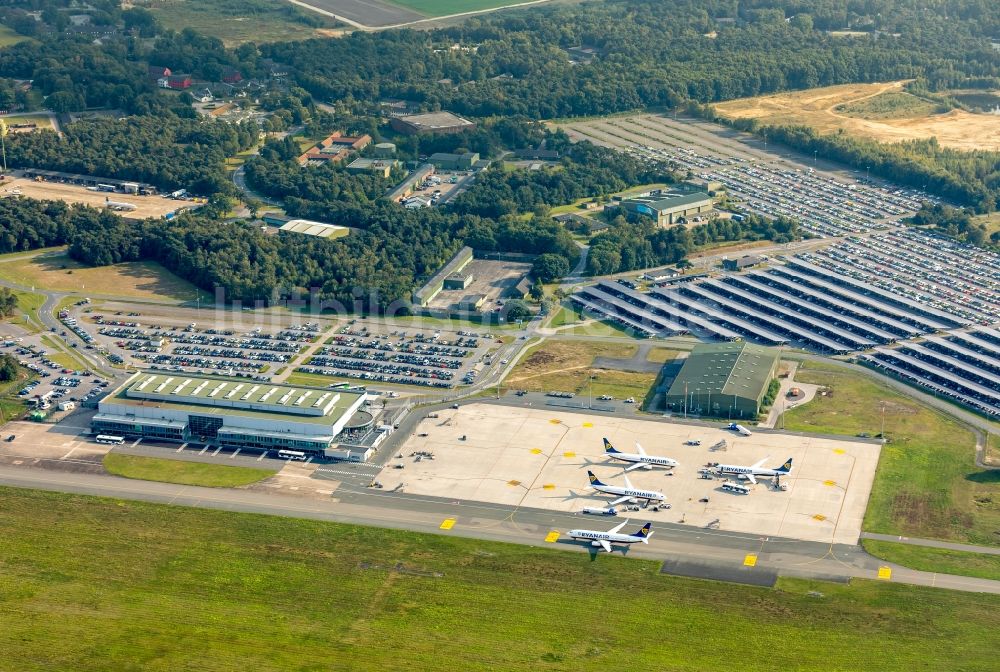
(110, 439)
(292, 455)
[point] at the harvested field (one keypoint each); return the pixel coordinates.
(372, 13)
(881, 111)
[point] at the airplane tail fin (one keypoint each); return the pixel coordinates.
(645, 532)
(786, 467)
(608, 448)
(593, 479)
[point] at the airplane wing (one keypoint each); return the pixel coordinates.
(758, 465)
(751, 478)
(606, 545)
(620, 500)
(617, 528)
(628, 484)
(639, 449)
(637, 465)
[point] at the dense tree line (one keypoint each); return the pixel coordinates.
(628, 246)
(586, 170)
(955, 223)
(8, 306)
(968, 178)
(27, 224)
(646, 53)
(168, 152)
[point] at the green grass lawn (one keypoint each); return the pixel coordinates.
(12, 405)
(182, 472)
(940, 560)
(9, 38)
(102, 584)
(927, 484)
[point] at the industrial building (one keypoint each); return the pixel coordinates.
(740, 263)
(431, 122)
(380, 167)
(445, 161)
(232, 412)
(310, 228)
(668, 209)
(726, 380)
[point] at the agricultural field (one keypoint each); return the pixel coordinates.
(57, 272)
(883, 112)
(238, 21)
(309, 595)
(927, 484)
(383, 13)
(448, 7)
(182, 472)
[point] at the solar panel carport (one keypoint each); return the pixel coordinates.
(637, 316)
(943, 374)
(955, 363)
(881, 362)
(880, 335)
(794, 332)
(853, 340)
(661, 307)
(958, 348)
(929, 324)
(905, 330)
(916, 306)
(738, 323)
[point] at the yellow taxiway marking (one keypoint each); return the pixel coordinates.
(588, 424)
(839, 451)
(569, 453)
(750, 560)
(514, 483)
(819, 516)
(829, 482)
(536, 451)
(549, 486)
(554, 421)
(448, 524)
(552, 536)
(885, 573)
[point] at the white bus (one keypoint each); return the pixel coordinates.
(292, 455)
(108, 438)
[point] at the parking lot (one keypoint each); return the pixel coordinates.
(226, 342)
(425, 357)
(540, 457)
(145, 206)
(827, 203)
(56, 388)
(490, 278)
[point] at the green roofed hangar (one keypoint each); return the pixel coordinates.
(727, 380)
(236, 413)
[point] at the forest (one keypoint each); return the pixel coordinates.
(168, 152)
(627, 246)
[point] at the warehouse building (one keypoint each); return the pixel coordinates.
(234, 413)
(431, 122)
(669, 209)
(446, 161)
(741, 263)
(727, 380)
(310, 228)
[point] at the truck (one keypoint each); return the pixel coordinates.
(740, 429)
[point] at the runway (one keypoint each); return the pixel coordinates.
(716, 550)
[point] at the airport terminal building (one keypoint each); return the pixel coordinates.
(231, 412)
(727, 380)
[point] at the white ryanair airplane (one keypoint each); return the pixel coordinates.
(628, 493)
(613, 536)
(756, 470)
(639, 459)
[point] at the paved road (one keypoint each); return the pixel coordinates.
(932, 543)
(355, 504)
